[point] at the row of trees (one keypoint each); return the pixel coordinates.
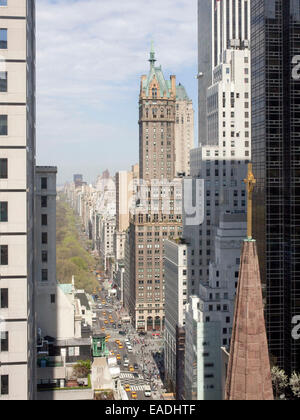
(73, 257)
(283, 386)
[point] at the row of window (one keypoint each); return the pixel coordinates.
(4, 385)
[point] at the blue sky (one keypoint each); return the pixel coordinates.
(90, 56)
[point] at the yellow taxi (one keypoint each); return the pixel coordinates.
(121, 346)
(118, 357)
(111, 321)
(108, 336)
(134, 395)
(112, 353)
(103, 313)
(103, 302)
(105, 322)
(102, 329)
(131, 368)
(127, 388)
(118, 342)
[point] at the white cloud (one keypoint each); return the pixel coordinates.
(90, 55)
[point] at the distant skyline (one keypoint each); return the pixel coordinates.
(90, 56)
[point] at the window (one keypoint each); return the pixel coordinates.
(44, 202)
(44, 182)
(3, 125)
(4, 385)
(4, 341)
(44, 256)
(52, 299)
(3, 298)
(3, 2)
(3, 81)
(44, 220)
(44, 238)
(44, 275)
(3, 211)
(3, 254)
(3, 39)
(3, 169)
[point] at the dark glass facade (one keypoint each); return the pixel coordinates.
(275, 41)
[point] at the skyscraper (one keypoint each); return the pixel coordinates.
(17, 175)
(152, 223)
(204, 63)
(276, 156)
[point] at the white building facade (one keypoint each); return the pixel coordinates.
(17, 181)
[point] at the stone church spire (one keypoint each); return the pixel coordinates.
(249, 373)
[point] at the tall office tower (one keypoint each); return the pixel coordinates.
(222, 24)
(184, 131)
(17, 175)
(152, 222)
(231, 26)
(204, 63)
(223, 163)
(275, 156)
(45, 240)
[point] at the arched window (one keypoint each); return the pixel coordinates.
(154, 112)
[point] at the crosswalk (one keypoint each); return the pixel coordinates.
(125, 375)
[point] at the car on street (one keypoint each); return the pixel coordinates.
(125, 364)
(127, 388)
(136, 366)
(134, 395)
(122, 332)
(147, 391)
(131, 368)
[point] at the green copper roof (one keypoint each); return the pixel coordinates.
(181, 94)
(164, 85)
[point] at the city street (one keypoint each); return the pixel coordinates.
(142, 368)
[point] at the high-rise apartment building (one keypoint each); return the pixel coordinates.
(152, 222)
(17, 182)
(276, 156)
(45, 245)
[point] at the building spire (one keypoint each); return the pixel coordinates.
(152, 55)
(250, 181)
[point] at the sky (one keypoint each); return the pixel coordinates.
(90, 57)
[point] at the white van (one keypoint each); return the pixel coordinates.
(129, 349)
(147, 391)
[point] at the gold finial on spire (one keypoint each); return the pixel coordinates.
(250, 181)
